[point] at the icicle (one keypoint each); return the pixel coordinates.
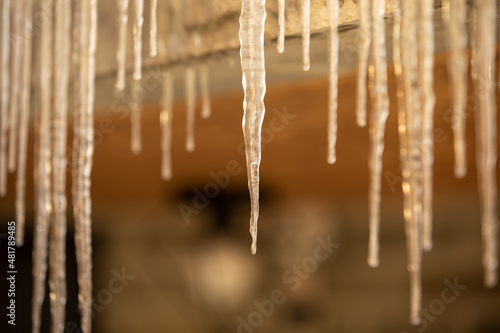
(153, 30)
(43, 168)
(412, 166)
(57, 276)
(24, 113)
(138, 22)
(167, 101)
(486, 135)
(333, 64)
(306, 34)
(190, 107)
(380, 111)
(83, 143)
(4, 95)
(281, 23)
(205, 91)
(457, 68)
(364, 49)
(428, 100)
(135, 117)
(252, 20)
(17, 54)
(121, 53)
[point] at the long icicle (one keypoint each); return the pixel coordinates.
(252, 20)
(138, 23)
(167, 101)
(306, 34)
(379, 113)
(24, 114)
(57, 246)
(413, 164)
(135, 117)
(364, 34)
(190, 107)
(206, 109)
(428, 100)
(281, 23)
(333, 64)
(486, 136)
(455, 16)
(4, 95)
(121, 51)
(153, 29)
(16, 61)
(42, 169)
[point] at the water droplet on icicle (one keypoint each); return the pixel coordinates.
(252, 20)
(364, 35)
(206, 109)
(306, 34)
(135, 117)
(4, 95)
(281, 23)
(190, 107)
(167, 101)
(138, 23)
(333, 64)
(153, 29)
(121, 51)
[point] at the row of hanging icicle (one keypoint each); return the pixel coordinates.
(68, 38)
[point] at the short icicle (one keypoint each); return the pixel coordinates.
(306, 34)
(364, 33)
(135, 117)
(281, 23)
(167, 101)
(206, 108)
(121, 51)
(252, 20)
(153, 29)
(138, 24)
(333, 64)
(4, 95)
(190, 92)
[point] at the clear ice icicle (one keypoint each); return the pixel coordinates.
(206, 109)
(364, 34)
(121, 51)
(57, 246)
(486, 135)
(379, 113)
(135, 117)
(138, 23)
(153, 29)
(4, 95)
(190, 107)
(333, 64)
(455, 16)
(16, 61)
(24, 113)
(281, 23)
(306, 34)
(428, 100)
(167, 101)
(252, 20)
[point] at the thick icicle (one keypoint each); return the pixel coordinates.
(306, 34)
(135, 117)
(4, 95)
(153, 29)
(252, 20)
(167, 101)
(364, 34)
(205, 91)
(412, 166)
(57, 258)
(281, 23)
(379, 113)
(455, 16)
(138, 23)
(16, 61)
(486, 136)
(24, 113)
(83, 144)
(190, 107)
(121, 51)
(333, 64)
(428, 100)
(43, 168)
